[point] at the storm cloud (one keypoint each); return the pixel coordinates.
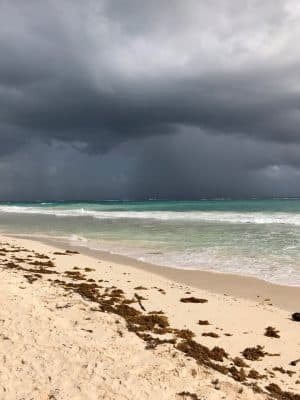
(166, 99)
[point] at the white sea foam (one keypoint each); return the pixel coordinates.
(209, 216)
(211, 259)
(276, 267)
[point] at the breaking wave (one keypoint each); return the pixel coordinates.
(208, 216)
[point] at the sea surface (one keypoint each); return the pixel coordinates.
(258, 238)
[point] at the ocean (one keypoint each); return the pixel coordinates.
(259, 238)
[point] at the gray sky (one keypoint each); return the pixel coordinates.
(133, 99)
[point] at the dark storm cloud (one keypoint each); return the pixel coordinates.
(215, 76)
(214, 167)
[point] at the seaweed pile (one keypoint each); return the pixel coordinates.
(272, 332)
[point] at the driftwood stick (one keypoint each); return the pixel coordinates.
(139, 301)
(295, 362)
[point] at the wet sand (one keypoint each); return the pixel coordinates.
(286, 297)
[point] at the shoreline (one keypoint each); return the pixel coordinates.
(245, 287)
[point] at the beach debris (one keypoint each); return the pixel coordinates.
(203, 322)
(296, 316)
(188, 395)
(42, 256)
(210, 334)
(162, 291)
(65, 253)
(47, 264)
(201, 353)
(128, 301)
(87, 330)
(67, 305)
(253, 353)
(239, 362)
(216, 384)
(295, 362)
(76, 275)
(284, 371)
(153, 342)
(192, 300)
(156, 312)
(139, 300)
(271, 373)
(253, 374)
(155, 323)
(279, 394)
(272, 332)
(238, 375)
(31, 278)
(41, 270)
(184, 333)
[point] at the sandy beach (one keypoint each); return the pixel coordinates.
(76, 324)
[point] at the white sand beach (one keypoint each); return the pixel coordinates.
(57, 342)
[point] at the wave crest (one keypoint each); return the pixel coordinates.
(206, 216)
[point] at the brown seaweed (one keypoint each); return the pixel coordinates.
(192, 300)
(272, 332)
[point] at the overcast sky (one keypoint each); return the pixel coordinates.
(104, 99)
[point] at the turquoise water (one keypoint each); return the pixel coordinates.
(255, 237)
